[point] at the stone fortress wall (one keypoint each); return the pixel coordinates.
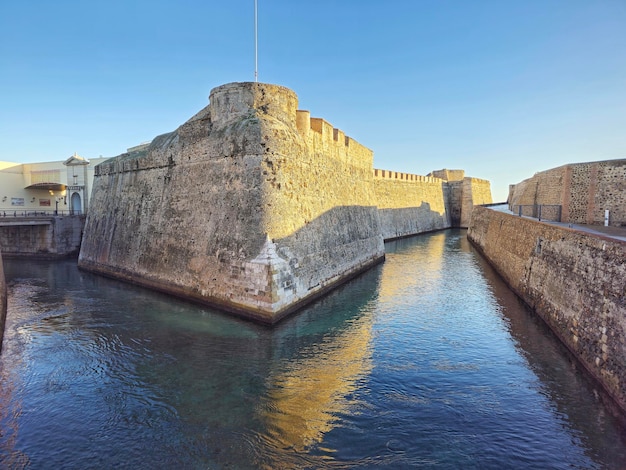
(410, 204)
(464, 194)
(3, 301)
(583, 190)
(253, 206)
(573, 280)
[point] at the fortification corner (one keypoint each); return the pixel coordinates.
(254, 206)
(272, 215)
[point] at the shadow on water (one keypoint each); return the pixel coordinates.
(425, 361)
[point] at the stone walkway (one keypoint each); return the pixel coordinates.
(618, 233)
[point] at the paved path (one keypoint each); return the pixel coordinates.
(619, 233)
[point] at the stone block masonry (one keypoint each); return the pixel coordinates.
(3, 302)
(573, 280)
(41, 236)
(583, 190)
(468, 193)
(251, 206)
(410, 204)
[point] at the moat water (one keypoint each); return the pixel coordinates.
(426, 361)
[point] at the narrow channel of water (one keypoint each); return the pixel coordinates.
(427, 361)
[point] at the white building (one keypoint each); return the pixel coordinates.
(61, 187)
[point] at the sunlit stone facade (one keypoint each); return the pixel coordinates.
(252, 206)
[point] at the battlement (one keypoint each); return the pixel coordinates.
(246, 100)
(406, 177)
(320, 134)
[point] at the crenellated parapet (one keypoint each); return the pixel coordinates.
(407, 177)
(322, 138)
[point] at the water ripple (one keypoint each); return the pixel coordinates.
(427, 361)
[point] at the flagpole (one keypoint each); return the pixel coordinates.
(256, 43)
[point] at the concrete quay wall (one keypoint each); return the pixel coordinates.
(252, 206)
(41, 236)
(573, 280)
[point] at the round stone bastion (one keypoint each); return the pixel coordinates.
(236, 100)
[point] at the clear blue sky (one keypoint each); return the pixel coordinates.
(499, 88)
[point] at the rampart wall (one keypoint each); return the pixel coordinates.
(583, 190)
(252, 206)
(249, 206)
(573, 280)
(410, 204)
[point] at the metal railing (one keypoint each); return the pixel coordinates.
(37, 213)
(551, 212)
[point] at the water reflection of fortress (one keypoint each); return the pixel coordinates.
(310, 391)
(256, 208)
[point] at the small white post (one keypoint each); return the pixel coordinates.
(606, 218)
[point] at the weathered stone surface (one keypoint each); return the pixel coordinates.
(252, 206)
(410, 204)
(3, 302)
(406, 207)
(583, 190)
(573, 280)
(237, 207)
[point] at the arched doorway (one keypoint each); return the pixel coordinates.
(76, 204)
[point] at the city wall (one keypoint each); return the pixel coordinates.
(583, 190)
(252, 206)
(41, 236)
(573, 280)
(410, 204)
